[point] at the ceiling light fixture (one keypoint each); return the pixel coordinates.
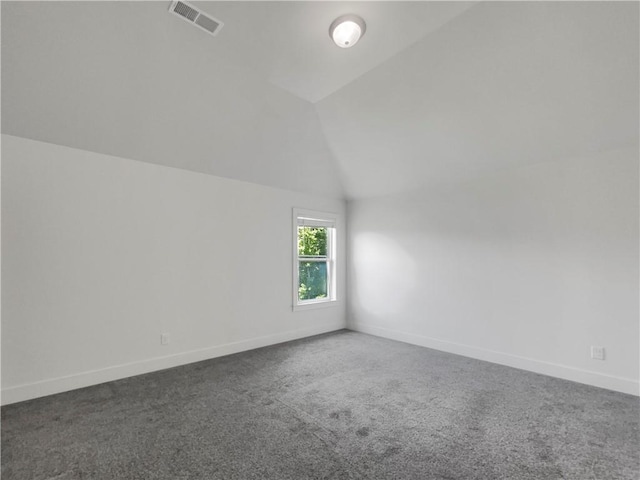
(347, 30)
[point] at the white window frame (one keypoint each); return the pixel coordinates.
(311, 218)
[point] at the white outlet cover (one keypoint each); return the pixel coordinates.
(597, 353)
(164, 339)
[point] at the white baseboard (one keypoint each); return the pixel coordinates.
(29, 391)
(619, 384)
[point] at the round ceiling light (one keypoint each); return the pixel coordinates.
(347, 30)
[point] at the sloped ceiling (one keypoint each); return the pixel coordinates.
(434, 91)
(504, 85)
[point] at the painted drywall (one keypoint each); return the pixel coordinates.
(129, 79)
(100, 255)
(505, 84)
(526, 267)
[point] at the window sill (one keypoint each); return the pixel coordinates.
(314, 305)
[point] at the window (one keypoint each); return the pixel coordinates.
(314, 269)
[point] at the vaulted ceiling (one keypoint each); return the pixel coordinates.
(434, 91)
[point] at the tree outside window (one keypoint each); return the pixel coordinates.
(314, 258)
(312, 263)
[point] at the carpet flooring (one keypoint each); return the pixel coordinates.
(338, 406)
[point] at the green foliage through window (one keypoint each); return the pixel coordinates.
(312, 241)
(312, 264)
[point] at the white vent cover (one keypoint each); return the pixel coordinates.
(197, 17)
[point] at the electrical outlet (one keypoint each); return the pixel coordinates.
(164, 339)
(597, 353)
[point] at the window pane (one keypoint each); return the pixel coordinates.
(312, 280)
(312, 241)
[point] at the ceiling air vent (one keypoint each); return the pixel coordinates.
(192, 15)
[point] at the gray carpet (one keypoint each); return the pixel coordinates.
(335, 406)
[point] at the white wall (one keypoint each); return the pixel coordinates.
(179, 98)
(504, 85)
(526, 267)
(101, 254)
